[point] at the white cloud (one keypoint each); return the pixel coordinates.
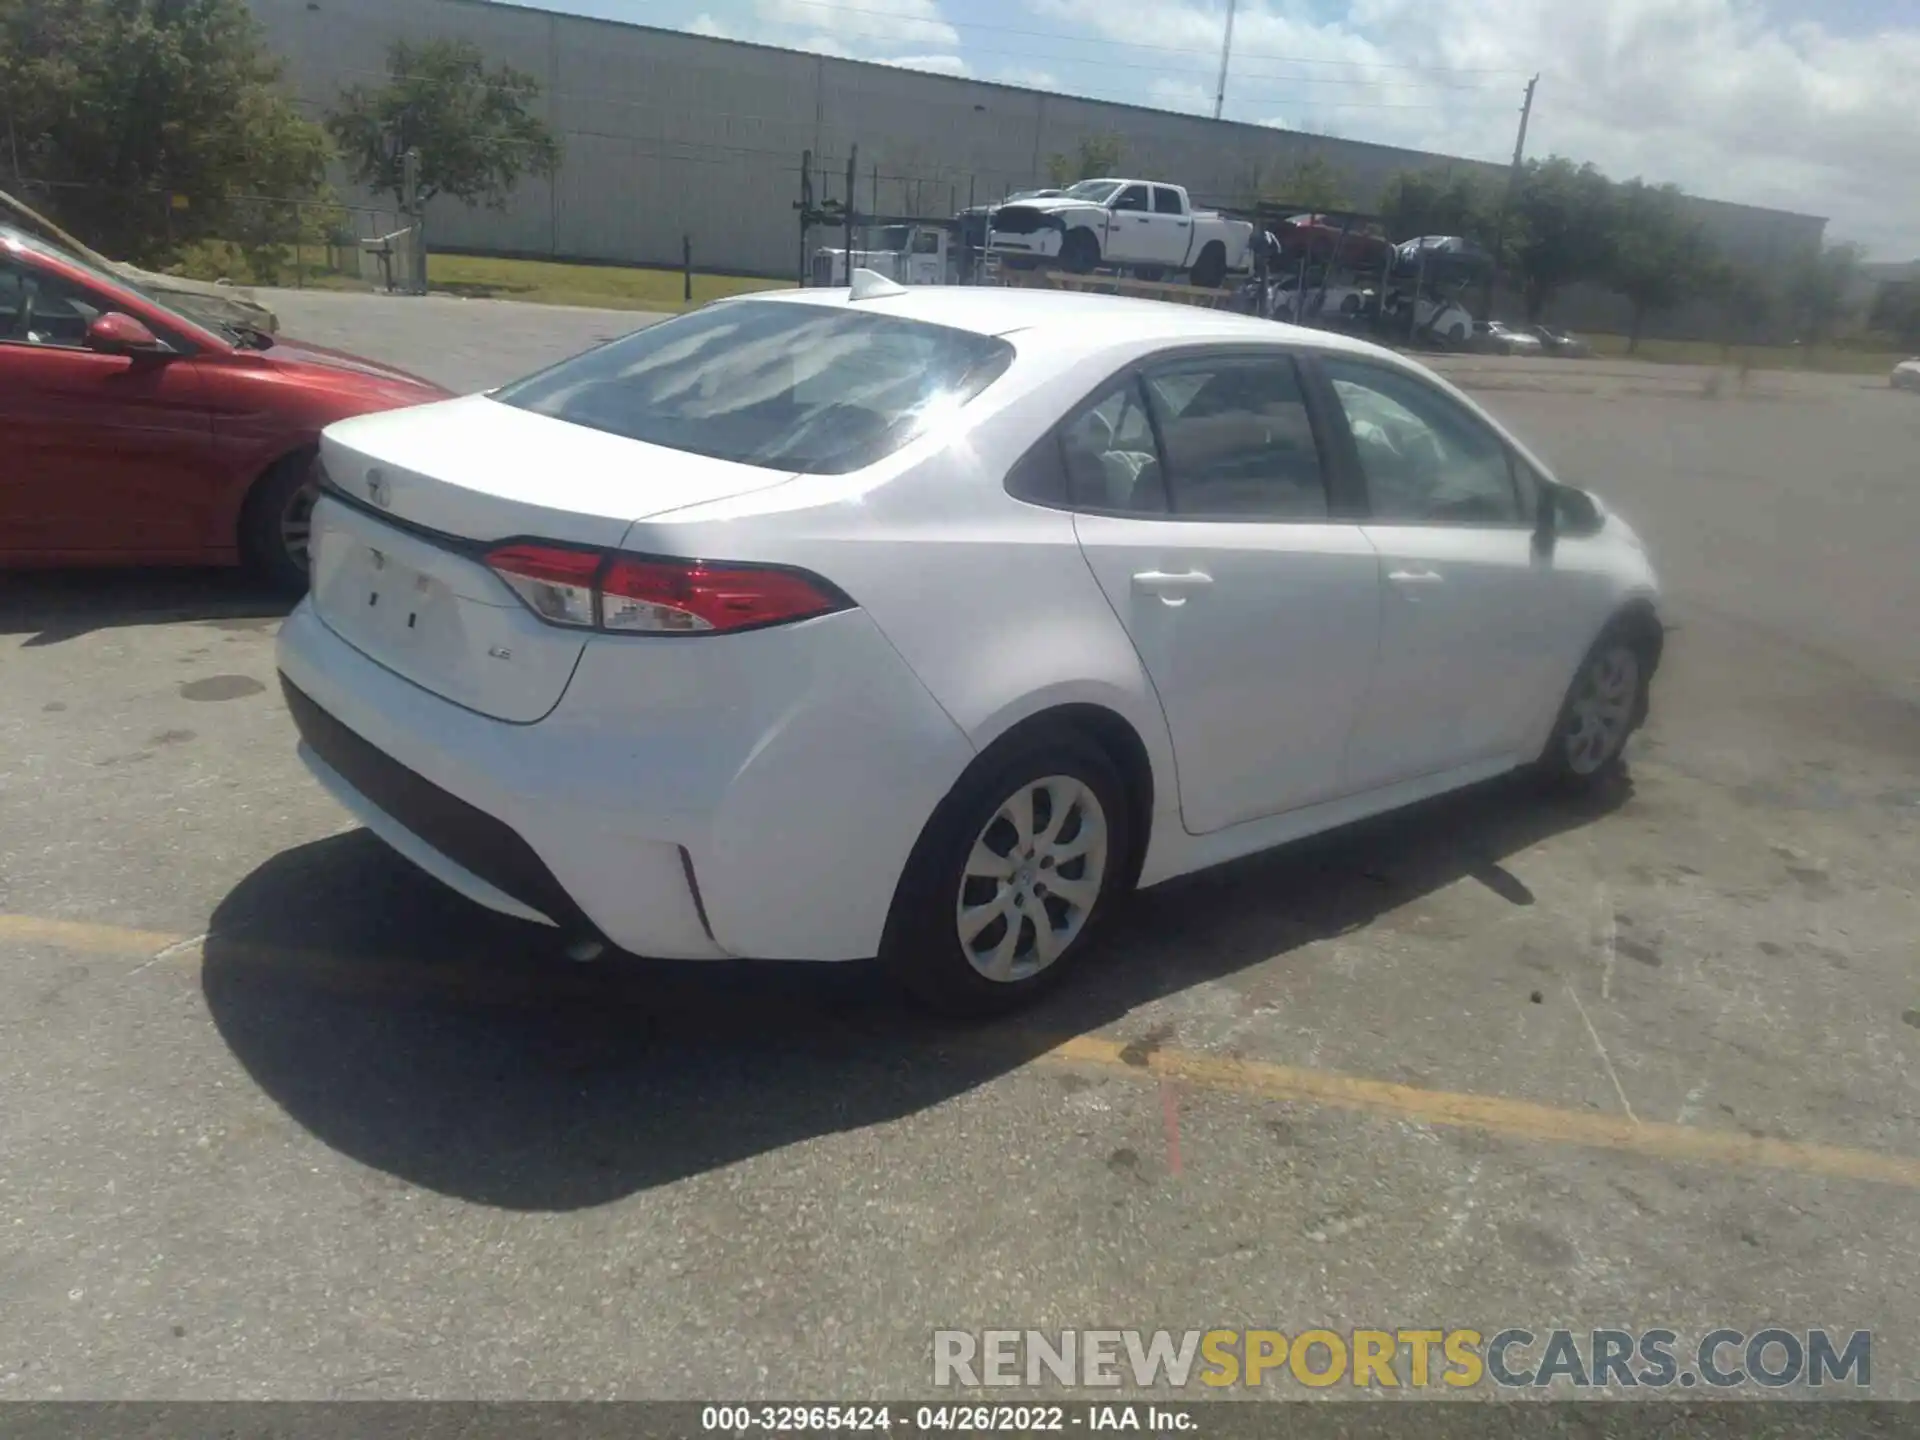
(704, 24)
(822, 45)
(1031, 77)
(938, 64)
(1705, 93)
(871, 22)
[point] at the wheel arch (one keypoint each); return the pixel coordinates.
(1640, 622)
(1071, 236)
(1118, 738)
(304, 447)
(1638, 619)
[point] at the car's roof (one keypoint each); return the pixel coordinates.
(1097, 321)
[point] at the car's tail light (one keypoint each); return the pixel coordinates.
(556, 584)
(644, 595)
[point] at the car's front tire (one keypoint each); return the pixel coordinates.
(1604, 705)
(1012, 876)
(1080, 252)
(276, 523)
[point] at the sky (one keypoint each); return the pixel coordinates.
(1807, 105)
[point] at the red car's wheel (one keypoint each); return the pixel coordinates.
(276, 527)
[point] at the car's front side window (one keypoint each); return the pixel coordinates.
(1237, 439)
(1134, 197)
(1424, 458)
(43, 310)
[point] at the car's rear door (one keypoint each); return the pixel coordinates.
(1246, 584)
(1171, 227)
(1477, 619)
(101, 456)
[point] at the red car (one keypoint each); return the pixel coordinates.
(133, 435)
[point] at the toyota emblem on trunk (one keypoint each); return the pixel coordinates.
(378, 491)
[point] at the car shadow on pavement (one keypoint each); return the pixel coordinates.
(50, 606)
(460, 1051)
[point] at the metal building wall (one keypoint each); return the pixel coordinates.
(669, 134)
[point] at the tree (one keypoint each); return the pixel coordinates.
(1560, 229)
(147, 121)
(1433, 202)
(1747, 298)
(475, 130)
(1314, 185)
(1657, 257)
(1096, 157)
(1896, 311)
(1820, 288)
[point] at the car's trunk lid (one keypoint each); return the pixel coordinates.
(399, 568)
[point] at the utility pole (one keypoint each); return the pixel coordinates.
(1226, 54)
(1506, 202)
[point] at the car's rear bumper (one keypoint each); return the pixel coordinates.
(762, 807)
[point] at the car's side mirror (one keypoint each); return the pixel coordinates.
(1562, 510)
(115, 333)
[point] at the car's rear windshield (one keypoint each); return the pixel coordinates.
(815, 388)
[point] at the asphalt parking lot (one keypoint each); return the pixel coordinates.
(282, 1118)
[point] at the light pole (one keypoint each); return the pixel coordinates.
(1226, 54)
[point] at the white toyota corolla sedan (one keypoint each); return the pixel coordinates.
(926, 624)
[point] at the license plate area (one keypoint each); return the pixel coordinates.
(436, 616)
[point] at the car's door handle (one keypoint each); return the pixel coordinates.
(1415, 575)
(1172, 588)
(1183, 223)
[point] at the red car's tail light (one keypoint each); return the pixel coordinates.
(640, 595)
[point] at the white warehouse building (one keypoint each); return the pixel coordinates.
(669, 134)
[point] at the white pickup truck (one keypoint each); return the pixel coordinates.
(1144, 226)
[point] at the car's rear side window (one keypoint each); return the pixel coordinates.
(817, 388)
(1236, 439)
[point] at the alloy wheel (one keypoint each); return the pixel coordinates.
(1601, 713)
(1032, 878)
(296, 525)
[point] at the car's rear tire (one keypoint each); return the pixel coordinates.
(1210, 269)
(1012, 876)
(276, 523)
(1604, 705)
(1079, 252)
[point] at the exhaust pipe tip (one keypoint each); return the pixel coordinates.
(586, 949)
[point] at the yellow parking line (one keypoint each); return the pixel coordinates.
(1491, 1113)
(86, 937)
(1495, 1113)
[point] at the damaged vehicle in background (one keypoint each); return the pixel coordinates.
(1496, 337)
(134, 434)
(1146, 227)
(1560, 342)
